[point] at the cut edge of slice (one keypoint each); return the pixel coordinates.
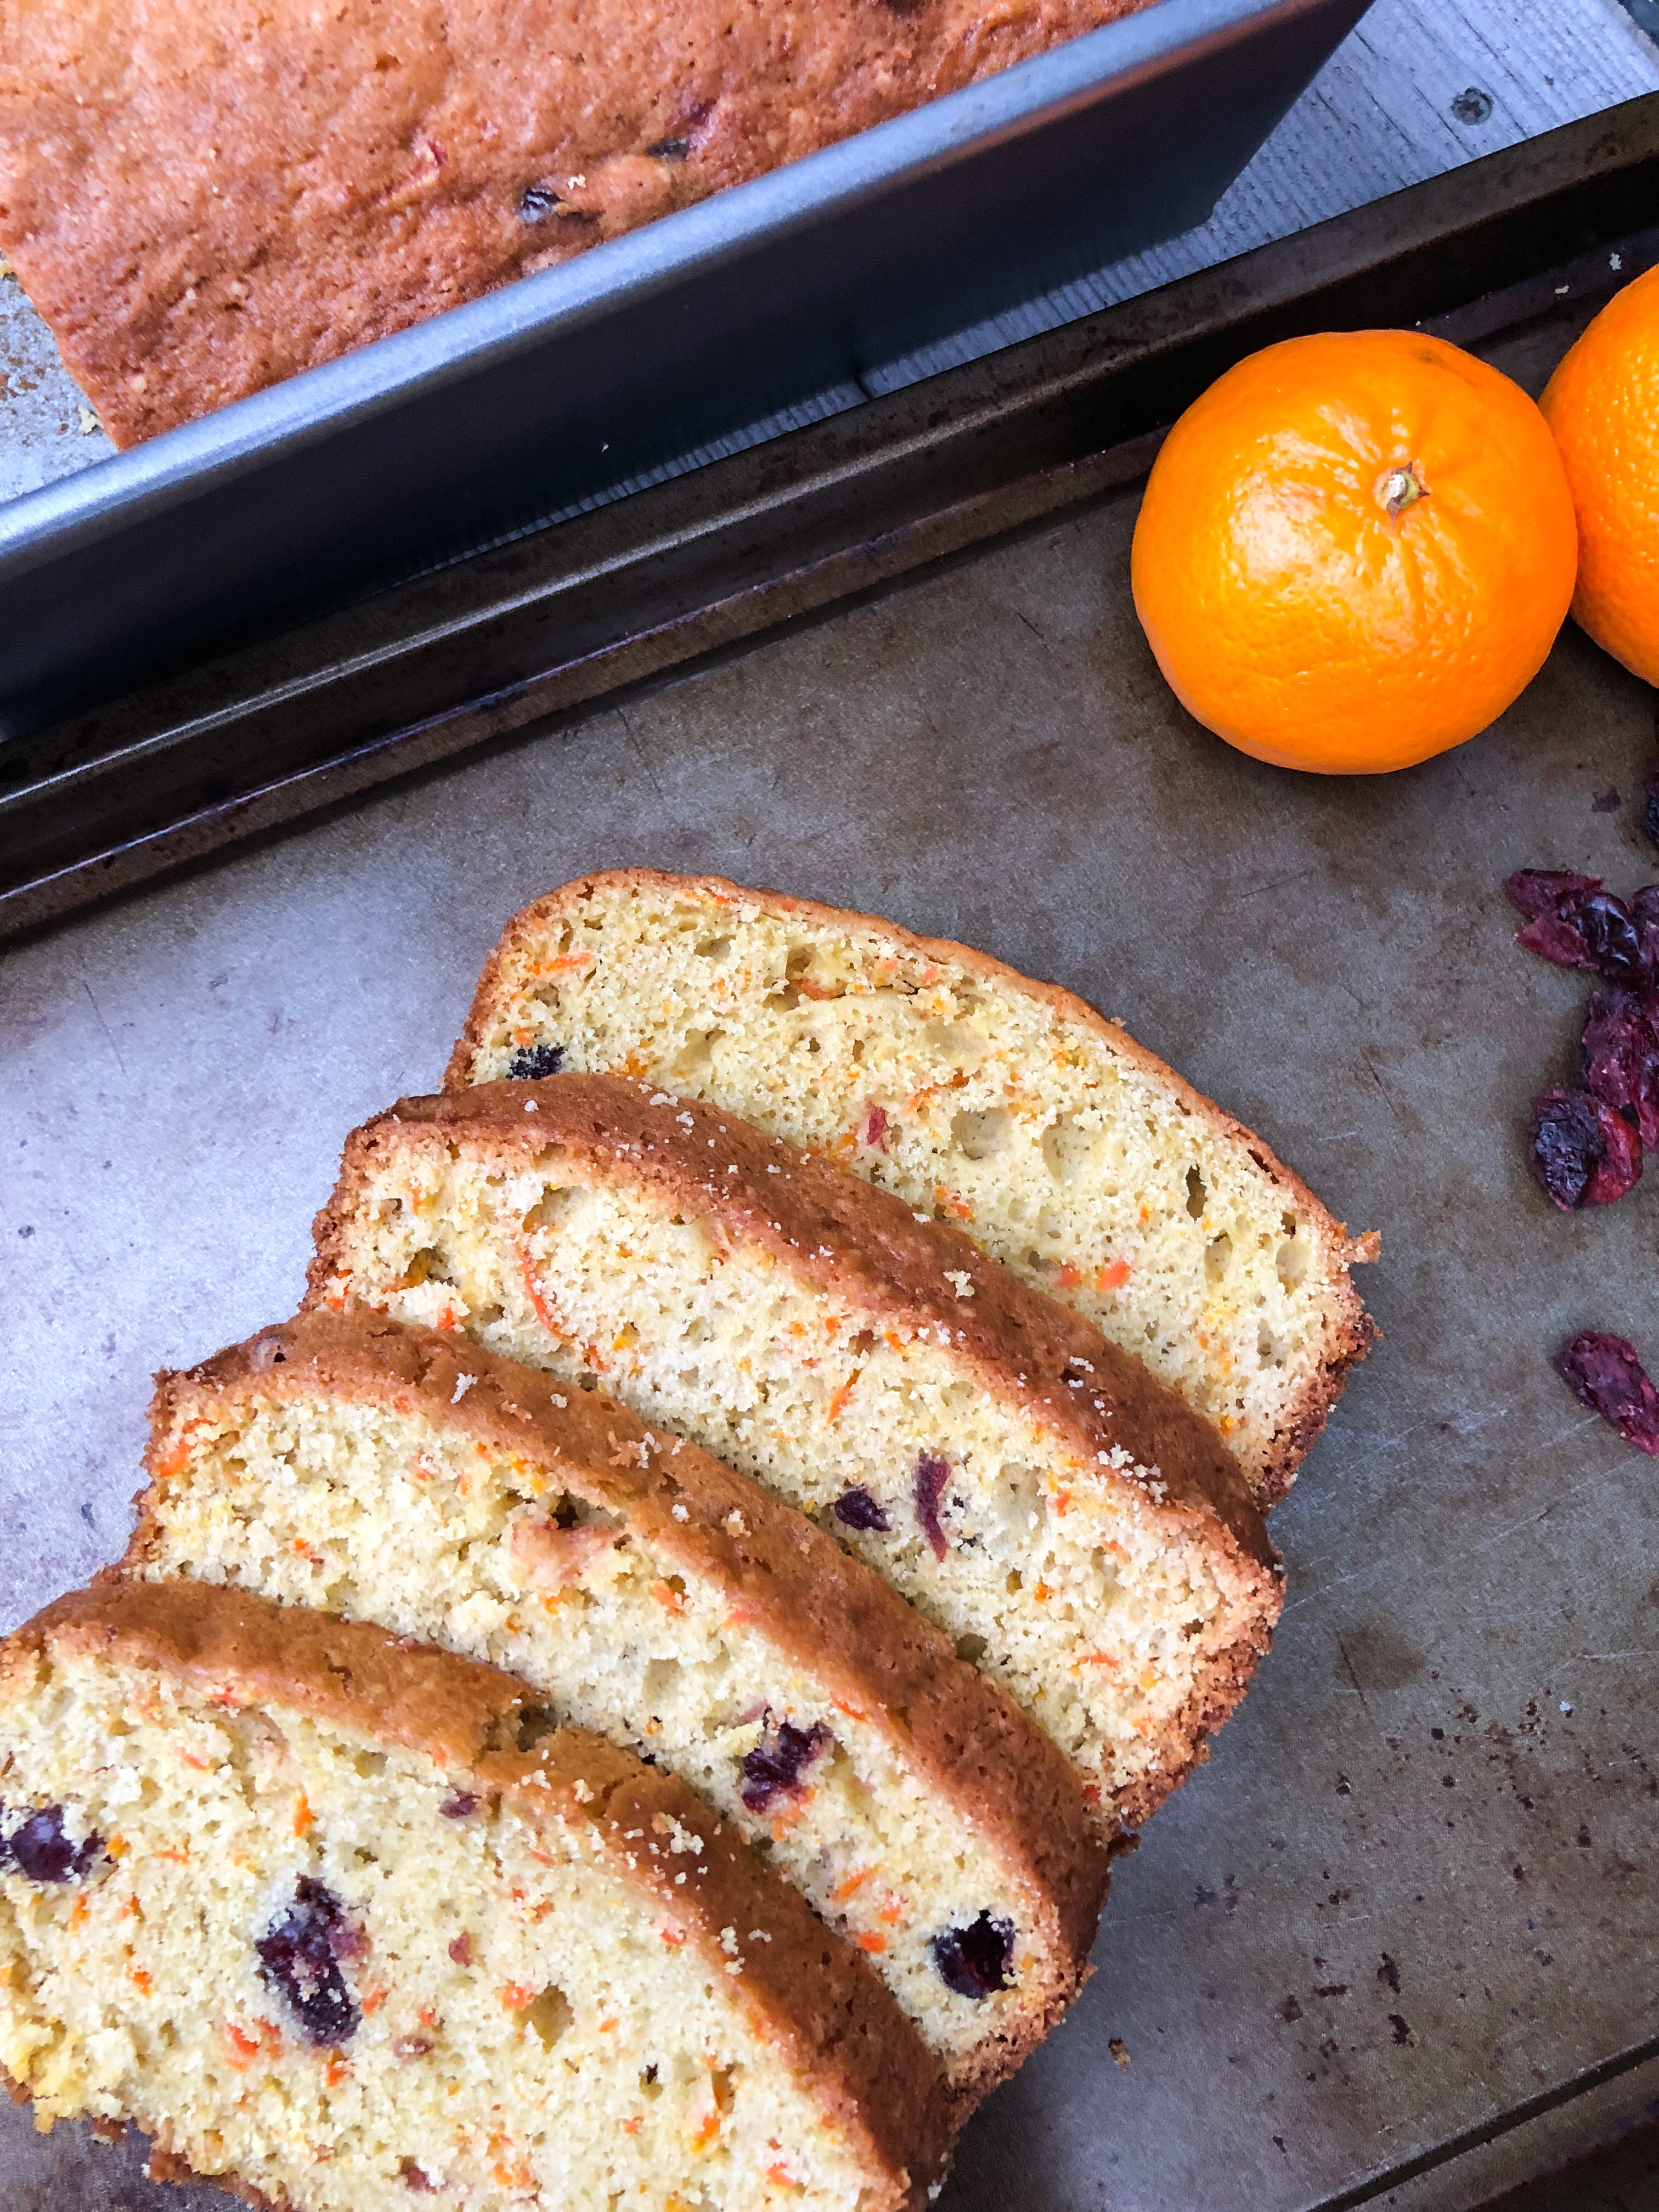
(814, 2001)
(823, 1609)
(1346, 1331)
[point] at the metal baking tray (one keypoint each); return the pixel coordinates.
(485, 419)
(1398, 1944)
(557, 619)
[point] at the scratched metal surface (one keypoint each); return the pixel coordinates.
(1414, 1892)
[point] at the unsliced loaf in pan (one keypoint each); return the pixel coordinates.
(336, 1919)
(1048, 1502)
(202, 199)
(650, 1593)
(974, 1094)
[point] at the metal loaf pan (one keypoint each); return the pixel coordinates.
(427, 444)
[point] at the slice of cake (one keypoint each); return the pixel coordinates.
(653, 1595)
(337, 1919)
(977, 1096)
(1083, 1536)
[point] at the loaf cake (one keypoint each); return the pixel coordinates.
(651, 1595)
(1082, 1535)
(201, 201)
(976, 1095)
(337, 1919)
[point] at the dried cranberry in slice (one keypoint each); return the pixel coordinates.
(1604, 1373)
(1539, 890)
(975, 1960)
(535, 1060)
(300, 1956)
(1584, 1152)
(39, 1849)
(458, 1807)
(856, 1508)
(1618, 1057)
(930, 1477)
(774, 1768)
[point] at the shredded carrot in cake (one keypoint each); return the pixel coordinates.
(838, 1401)
(546, 1312)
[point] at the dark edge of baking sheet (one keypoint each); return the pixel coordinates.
(550, 625)
(439, 440)
(1560, 2094)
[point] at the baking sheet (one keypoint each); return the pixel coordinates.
(1413, 1897)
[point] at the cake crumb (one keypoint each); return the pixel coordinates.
(1120, 2050)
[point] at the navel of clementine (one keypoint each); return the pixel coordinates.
(1602, 404)
(1354, 551)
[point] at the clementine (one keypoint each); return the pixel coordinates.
(1354, 551)
(1602, 404)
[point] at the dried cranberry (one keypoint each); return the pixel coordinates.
(1604, 1373)
(458, 1807)
(856, 1508)
(1645, 913)
(670, 149)
(930, 1477)
(975, 1960)
(300, 1955)
(1571, 921)
(38, 1848)
(774, 1768)
(1539, 890)
(1610, 935)
(1618, 1057)
(1584, 1152)
(535, 1060)
(417, 2177)
(875, 1129)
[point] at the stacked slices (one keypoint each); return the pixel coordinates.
(653, 1595)
(628, 1698)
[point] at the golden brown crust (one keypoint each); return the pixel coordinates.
(829, 1611)
(167, 2165)
(204, 200)
(861, 1246)
(805, 1991)
(1349, 1330)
